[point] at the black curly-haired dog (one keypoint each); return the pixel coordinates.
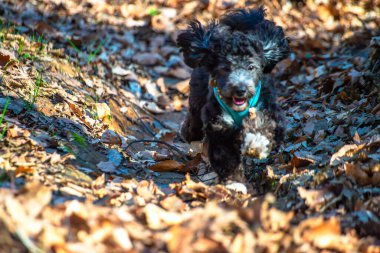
(232, 103)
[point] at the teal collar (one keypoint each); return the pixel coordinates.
(239, 116)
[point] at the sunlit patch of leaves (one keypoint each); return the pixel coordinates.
(212, 218)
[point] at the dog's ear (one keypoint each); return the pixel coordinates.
(274, 43)
(194, 42)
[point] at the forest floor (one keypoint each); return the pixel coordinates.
(92, 94)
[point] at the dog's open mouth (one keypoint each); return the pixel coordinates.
(239, 104)
(238, 101)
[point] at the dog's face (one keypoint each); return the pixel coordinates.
(236, 51)
(236, 78)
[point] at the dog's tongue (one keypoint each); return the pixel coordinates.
(238, 101)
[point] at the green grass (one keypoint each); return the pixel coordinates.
(80, 140)
(153, 12)
(95, 52)
(91, 54)
(74, 46)
(36, 89)
(20, 47)
(37, 38)
(67, 149)
(22, 55)
(2, 118)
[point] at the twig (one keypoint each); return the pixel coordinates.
(161, 142)
(329, 204)
(142, 121)
(150, 115)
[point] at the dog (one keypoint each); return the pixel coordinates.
(232, 102)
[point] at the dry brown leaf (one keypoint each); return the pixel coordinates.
(179, 239)
(167, 165)
(35, 197)
(183, 86)
(64, 68)
(158, 218)
(151, 107)
(15, 132)
(315, 198)
(121, 237)
(98, 186)
(207, 245)
(326, 234)
(6, 57)
(252, 113)
(77, 111)
(146, 190)
(173, 203)
(102, 110)
(162, 23)
(177, 104)
(346, 150)
(298, 162)
(22, 170)
(361, 176)
(110, 137)
(168, 137)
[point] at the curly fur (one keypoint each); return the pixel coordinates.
(235, 53)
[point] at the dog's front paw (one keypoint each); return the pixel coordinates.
(237, 187)
(256, 145)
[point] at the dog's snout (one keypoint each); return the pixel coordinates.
(240, 90)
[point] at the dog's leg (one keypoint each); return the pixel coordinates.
(262, 132)
(192, 127)
(225, 159)
(223, 144)
(258, 136)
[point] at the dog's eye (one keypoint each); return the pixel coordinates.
(251, 67)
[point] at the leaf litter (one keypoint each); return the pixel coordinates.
(93, 94)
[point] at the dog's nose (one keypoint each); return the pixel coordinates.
(240, 90)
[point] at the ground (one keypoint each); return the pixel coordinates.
(92, 96)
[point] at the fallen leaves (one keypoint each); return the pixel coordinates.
(326, 234)
(123, 84)
(6, 57)
(345, 151)
(167, 165)
(110, 137)
(103, 112)
(316, 198)
(107, 166)
(363, 176)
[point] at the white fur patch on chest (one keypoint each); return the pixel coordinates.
(255, 145)
(227, 118)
